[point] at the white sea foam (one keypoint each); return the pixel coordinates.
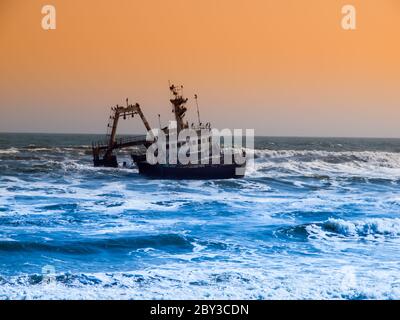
(367, 164)
(9, 151)
(216, 280)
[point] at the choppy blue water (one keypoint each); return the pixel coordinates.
(313, 218)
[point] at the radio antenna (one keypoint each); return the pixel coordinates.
(197, 106)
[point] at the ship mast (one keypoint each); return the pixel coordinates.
(198, 112)
(179, 108)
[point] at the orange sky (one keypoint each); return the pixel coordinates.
(283, 67)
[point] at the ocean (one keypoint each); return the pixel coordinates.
(314, 218)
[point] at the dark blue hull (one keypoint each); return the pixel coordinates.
(208, 171)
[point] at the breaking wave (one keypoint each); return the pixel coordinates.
(368, 164)
(370, 227)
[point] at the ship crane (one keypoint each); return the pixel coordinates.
(103, 151)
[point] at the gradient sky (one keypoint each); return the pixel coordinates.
(282, 67)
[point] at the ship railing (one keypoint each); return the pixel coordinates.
(119, 142)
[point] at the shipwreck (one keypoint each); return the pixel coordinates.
(199, 155)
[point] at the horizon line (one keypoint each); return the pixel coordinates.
(264, 136)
